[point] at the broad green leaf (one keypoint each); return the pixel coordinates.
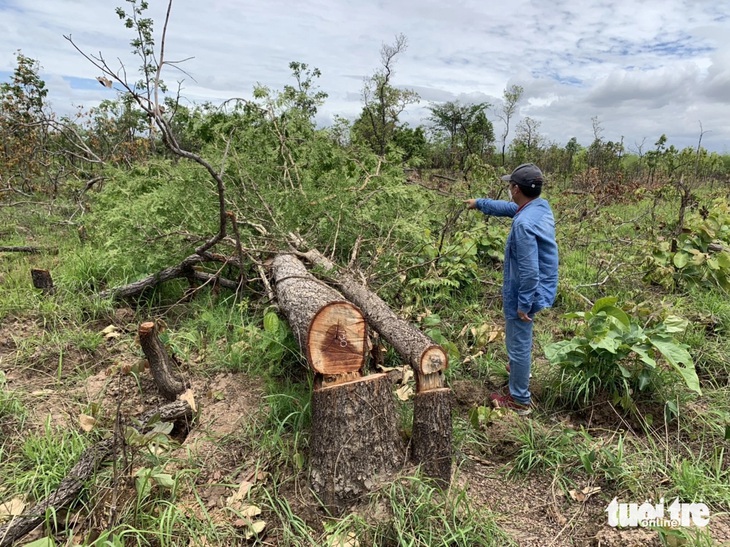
(43, 542)
(617, 313)
(164, 479)
(680, 260)
(609, 343)
(674, 323)
(723, 259)
(557, 352)
(624, 371)
(604, 302)
(643, 352)
(677, 355)
(271, 322)
(644, 381)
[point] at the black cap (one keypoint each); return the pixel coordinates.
(526, 174)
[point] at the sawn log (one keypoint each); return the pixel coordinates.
(427, 358)
(331, 332)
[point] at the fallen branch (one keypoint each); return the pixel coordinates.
(21, 249)
(89, 462)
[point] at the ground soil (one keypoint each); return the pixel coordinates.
(533, 510)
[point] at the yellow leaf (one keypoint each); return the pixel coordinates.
(111, 332)
(256, 528)
(86, 422)
(250, 511)
(189, 398)
(404, 392)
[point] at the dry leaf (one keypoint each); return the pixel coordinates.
(248, 511)
(404, 392)
(234, 500)
(111, 332)
(103, 80)
(256, 528)
(584, 494)
(407, 375)
(86, 422)
(189, 397)
(338, 540)
(11, 508)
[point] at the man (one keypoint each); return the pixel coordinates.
(530, 274)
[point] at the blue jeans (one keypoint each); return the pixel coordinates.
(518, 339)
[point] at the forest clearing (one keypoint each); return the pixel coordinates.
(228, 326)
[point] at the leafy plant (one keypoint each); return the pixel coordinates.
(698, 255)
(615, 354)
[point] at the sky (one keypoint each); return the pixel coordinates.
(641, 68)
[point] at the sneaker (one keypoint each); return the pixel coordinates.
(506, 401)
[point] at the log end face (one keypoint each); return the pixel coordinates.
(337, 339)
(433, 360)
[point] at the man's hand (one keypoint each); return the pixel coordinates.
(523, 316)
(471, 203)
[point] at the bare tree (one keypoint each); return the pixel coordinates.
(512, 96)
(383, 102)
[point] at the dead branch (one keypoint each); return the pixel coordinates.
(162, 365)
(21, 249)
(90, 461)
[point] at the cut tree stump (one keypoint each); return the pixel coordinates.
(432, 434)
(431, 413)
(162, 366)
(42, 280)
(330, 331)
(355, 444)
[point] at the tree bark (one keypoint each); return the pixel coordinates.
(330, 331)
(427, 358)
(42, 280)
(70, 487)
(162, 366)
(431, 414)
(355, 443)
(432, 434)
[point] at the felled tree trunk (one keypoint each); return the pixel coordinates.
(330, 331)
(355, 443)
(42, 280)
(432, 405)
(162, 366)
(427, 358)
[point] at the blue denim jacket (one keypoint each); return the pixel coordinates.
(530, 255)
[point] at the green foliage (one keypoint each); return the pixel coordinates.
(419, 515)
(22, 125)
(465, 128)
(12, 410)
(42, 461)
(614, 354)
(700, 253)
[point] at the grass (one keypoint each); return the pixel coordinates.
(646, 454)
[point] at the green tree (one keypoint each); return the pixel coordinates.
(22, 123)
(382, 101)
(466, 127)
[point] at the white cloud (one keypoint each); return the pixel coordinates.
(643, 67)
